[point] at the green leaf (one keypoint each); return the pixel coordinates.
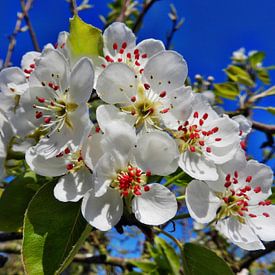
(170, 255)
(226, 90)
(200, 260)
(145, 266)
(14, 201)
(272, 197)
(84, 39)
(53, 233)
(263, 75)
(256, 58)
(239, 75)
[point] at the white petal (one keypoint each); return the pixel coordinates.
(28, 59)
(102, 212)
(118, 33)
(45, 167)
(81, 81)
(157, 151)
(51, 67)
(240, 234)
(72, 187)
(107, 113)
(14, 76)
(245, 125)
(201, 202)
(117, 84)
(165, 71)
(263, 226)
(197, 166)
(156, 206)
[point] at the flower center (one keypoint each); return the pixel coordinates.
(54, 112)
(130, 181)
(236, 201)
(191, 135)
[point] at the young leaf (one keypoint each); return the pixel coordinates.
(226, 90)
(256, 58)
(53, 232)
(239, 75)
(84, 39)
(14, 201)
(145, 266)
(200, 260)
(263, 75)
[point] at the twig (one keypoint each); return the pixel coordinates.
(146, 6)
(17, 28)
(25, 9)
(270, 129)
(73, 7)
(4, 237)
(171, 34)
(122, 15)
(254, 255)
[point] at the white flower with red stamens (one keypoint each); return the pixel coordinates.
(245, 125)
(121, 177)
(153, 101)
(236, 203)
(120, 46)
(56, 101)
(6, 134)
(205, 140)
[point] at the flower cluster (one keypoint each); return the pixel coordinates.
(149, 124)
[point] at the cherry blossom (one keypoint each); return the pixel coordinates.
(237, 202)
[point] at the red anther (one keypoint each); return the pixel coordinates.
(244, 209)
(67, 151)
(235, 181)
(247, 188)
(204, 133)
(241, 133)
(227, 178)
(240, 213)
(108, 58)
(262, 203)
(248, 179)
(124, 45)
(192, 149)
(257, 189)
(59, 155)
(115, 46)
(137, 56)
(136, 51)
(215, 130)
(225, 199)
(227, 184)
(205, 116)
(129, 55)
(51, 85)
(208, 150)
(245, 203)
(236, 174)
(97, 129)
(180, 128)
(196, 115)
(133, 98)
(162, 94)
(137, 63)
(79, 159)
(218, 139)
(27, 71)
(121, 51)
(252, 215)
(201, 122)
(185, 123)
(125, 193)
(32, 66)
(146, 188)
(164, 111)
(62, 45)
(232, 192)
(69, 166)
(133, 112)
(47, 120)
(148, 173)
(52, 103)
(268, 202)
(119, 59)
(144, 55)
(266, 214)
(38, 115)
(147, 86)
(243, 144)
(243, 190)
(103, 66)
(56, 45)
(137, 193)
(141, 71)
(201, 142)
(56, 87)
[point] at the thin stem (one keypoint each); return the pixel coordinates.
(73, 7)
(167, 183)
(181, 217)
(179, 198)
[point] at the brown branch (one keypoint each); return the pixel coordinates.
(25, 9)
(122, 15)
(255, 255)
(269, 129)
(146, 6)
(17, 29)
(73, 7)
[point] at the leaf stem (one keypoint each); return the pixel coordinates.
(167, 183)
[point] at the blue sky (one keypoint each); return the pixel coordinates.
(212, 30)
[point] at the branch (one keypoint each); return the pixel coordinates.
(269, 129)
(25, 9)
(4, 237)
(254, 255)
(17, 29)
(122, 15)
(146, 6)
(73, 7)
